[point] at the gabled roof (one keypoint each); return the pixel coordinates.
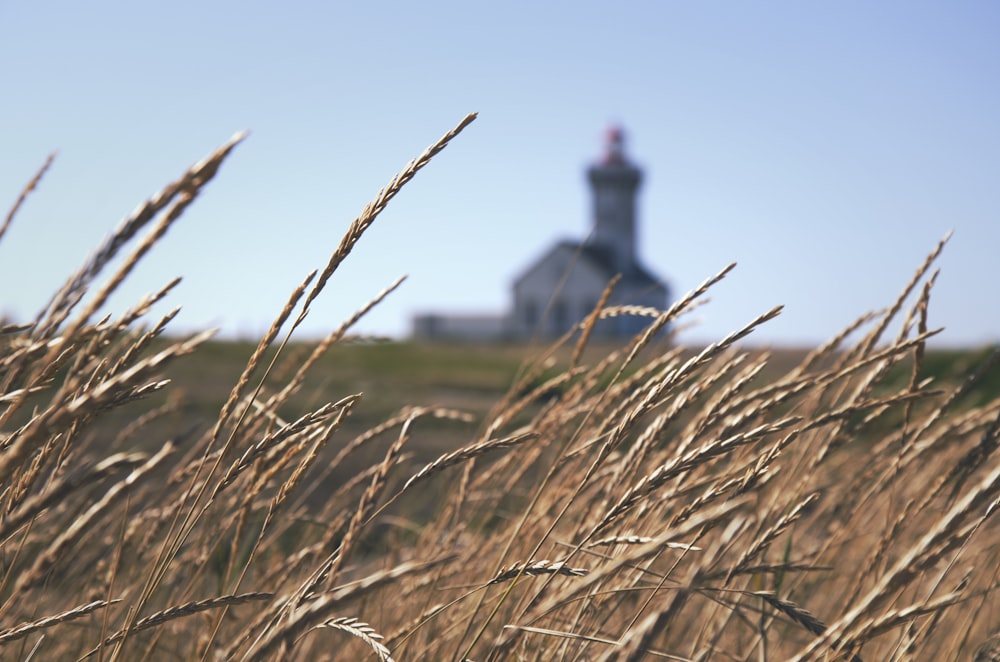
(602, 257)
(599, 259)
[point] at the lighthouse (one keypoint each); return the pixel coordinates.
(614, 182)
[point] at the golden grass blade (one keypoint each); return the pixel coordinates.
(49, 621)
(28, 188)
(318, 610)
(375, 207)
(181, 611)
(362, 631)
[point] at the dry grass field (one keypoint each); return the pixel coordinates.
(575, 502)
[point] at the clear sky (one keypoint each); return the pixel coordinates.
(825, 147)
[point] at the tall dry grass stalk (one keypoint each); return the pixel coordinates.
(641, 502)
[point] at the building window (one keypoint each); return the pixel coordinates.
(530, 313)
(560, 316)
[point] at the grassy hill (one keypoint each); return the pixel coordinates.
(473, 377)
(180, 499)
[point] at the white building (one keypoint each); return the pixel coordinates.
(563, 286)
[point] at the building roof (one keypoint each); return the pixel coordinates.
(602, 256)
(601, 260)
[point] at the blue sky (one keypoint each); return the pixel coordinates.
(825, 147)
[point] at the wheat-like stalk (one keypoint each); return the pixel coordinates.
(77, 612)
(535, 568)
(362, 631)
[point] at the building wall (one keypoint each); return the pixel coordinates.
(559, 291)
(613, 189)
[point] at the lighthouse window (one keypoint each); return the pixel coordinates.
(560, 316)
(530, 313)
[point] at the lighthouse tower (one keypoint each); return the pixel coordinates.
(614, 183)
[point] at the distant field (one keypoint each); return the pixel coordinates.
(392, 375)
(465, 376)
